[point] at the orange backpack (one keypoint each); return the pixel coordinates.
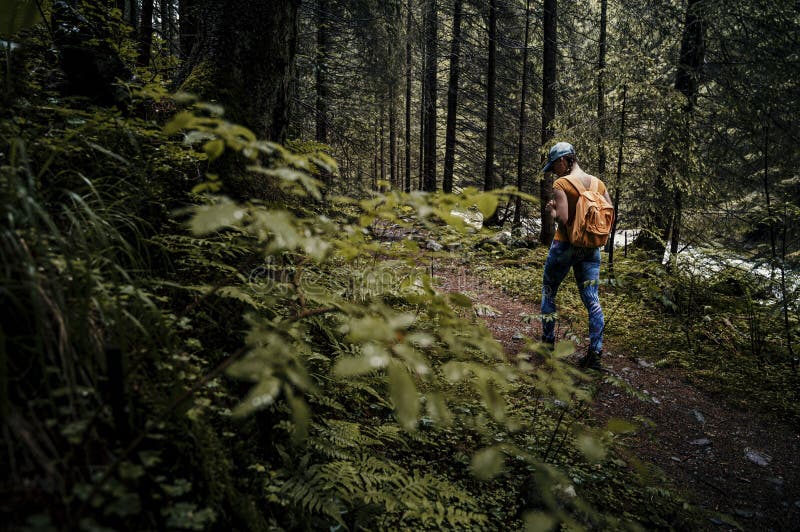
(594, 216)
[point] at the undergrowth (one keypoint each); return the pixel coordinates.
(186, 361)
(725, 331)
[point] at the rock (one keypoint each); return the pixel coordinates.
(569, 491)
(757, 458)
(644, 363)
(485, 311)
(656, 401)
(518, 336)
(747, 514)
(699, 417)
(675, 459)
(701, 442)
(433, 245)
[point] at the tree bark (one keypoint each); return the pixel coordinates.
(522, 117)
(407, 176)
(382, 145)
(167, 24)
(431, 67)
(452, 100)
(393, 137)
(601, 96)
(549, 80)
(145, 33)
(244, 59)
(618, 182)
(133, 13)
(187, 26)
(321, 112)
(491, 94)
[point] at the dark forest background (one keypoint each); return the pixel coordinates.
(222, 219)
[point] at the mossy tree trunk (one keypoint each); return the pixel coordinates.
(244, 59)
(491, 93)
(549, 73)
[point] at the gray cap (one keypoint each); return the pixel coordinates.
(556, 152)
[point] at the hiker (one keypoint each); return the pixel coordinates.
(574, 248)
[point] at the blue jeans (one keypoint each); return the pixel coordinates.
(585, 262)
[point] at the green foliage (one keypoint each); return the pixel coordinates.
(20, 15)
(360, 372)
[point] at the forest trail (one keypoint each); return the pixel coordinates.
(732, 462)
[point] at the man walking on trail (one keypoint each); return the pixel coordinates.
(569, 250)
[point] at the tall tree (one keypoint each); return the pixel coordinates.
(407, 176)
(187, 26)
(320, 70)
(430, 86)
(167, 17)
(665, 214)
(618, 181)
(145, 33)
(132, 12)
(601, 93)
(452, 100)
(246, 62)
(393, 136)
(549, 80)
(382, 143)
(522, 117)
(491, 93)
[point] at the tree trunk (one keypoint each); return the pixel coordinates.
(522, 117)
(187, 26)
(491, 93)
(244, 59)
(407, 186)
(452, 100)
(145, 33)
(382, 145)
(393, 137)
(167, 16)
(549, 80)
(601, 96)
(618, 182)
(133, 13)
(321, 114)
(421, 158)
(665, 218)
(770, 224)
(375, 157)
(431, 67)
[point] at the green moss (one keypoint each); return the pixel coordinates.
(201, 80)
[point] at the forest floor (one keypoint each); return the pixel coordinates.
(740, 467)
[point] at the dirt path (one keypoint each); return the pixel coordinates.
(730, 461)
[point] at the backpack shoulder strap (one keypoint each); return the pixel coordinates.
(595, 186)
(576, 182)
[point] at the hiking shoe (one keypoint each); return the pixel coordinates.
(591, 360)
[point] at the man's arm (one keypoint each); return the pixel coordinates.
(559, 208)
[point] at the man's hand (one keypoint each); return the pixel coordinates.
(551, 206)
